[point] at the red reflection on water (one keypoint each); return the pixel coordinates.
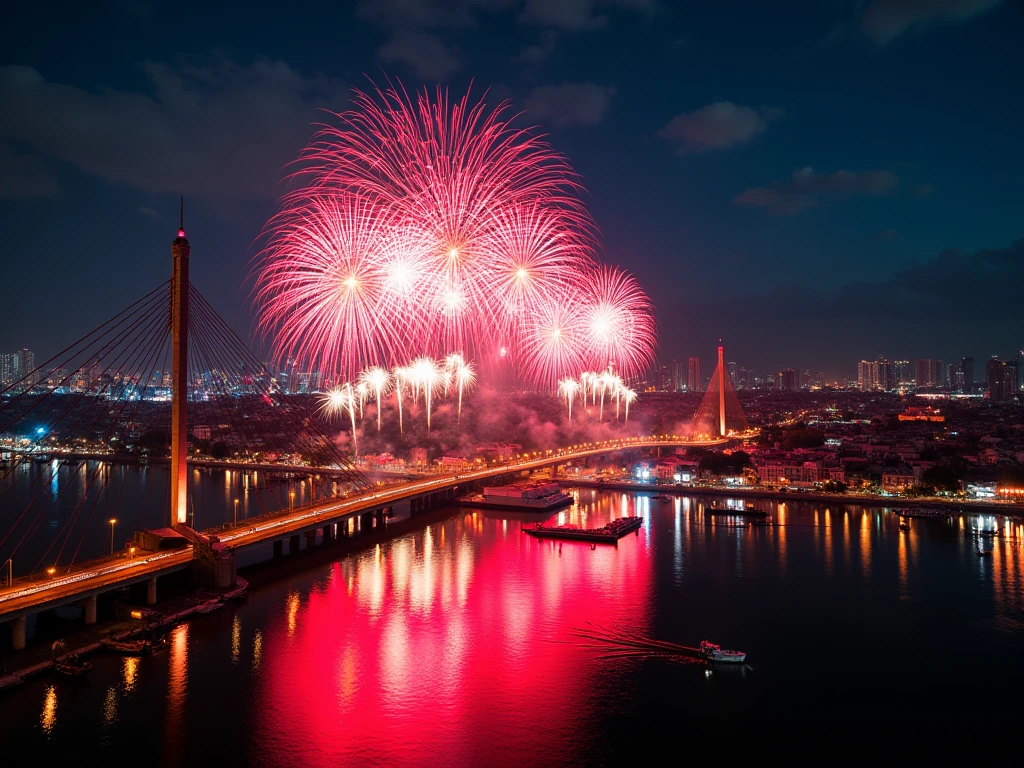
(444, 646)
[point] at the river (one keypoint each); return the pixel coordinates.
(464, 642)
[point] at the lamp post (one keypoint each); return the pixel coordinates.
(291, 500)
(236, 511)
(112, 521)
(10, 572)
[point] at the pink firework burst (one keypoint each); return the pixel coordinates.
(619, 323)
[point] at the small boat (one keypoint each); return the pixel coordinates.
(714, 652)
(984, 553)
(904, 526)
(131, 647)
(663, 497)
(71, 665)
(987, 532)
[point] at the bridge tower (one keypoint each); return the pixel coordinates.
(180, 251)
(719, 412)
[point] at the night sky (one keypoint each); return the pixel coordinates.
(818, 184)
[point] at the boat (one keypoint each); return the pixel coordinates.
(713, 652)
(131, 647)
(663, 497)
(904, 526)
(751, 512)
(71, 665)
(209, 607)
(987, 532)
(537, 496)
(984, 553)
(610, 533)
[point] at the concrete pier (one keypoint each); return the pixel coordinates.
(293, 544)
(90, 609)
(310, 539)
(18, 633)
(279, 548)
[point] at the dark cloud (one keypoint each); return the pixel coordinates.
(954, 304)
(885, 20)
(539, 51)
(717, 126)
(198, 129)
(568, 103)
(807, 188)
(575, 15)
(427, 13)
(25, 177)
(429, 58)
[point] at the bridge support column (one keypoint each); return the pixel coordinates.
(18, 633)
(151, 591)
(366, 522)
(343, 529)
(278, 548)
(293, 545)
(328, 534)
(90, 609)
(378, 517)
(310, 539)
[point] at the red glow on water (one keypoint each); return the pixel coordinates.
(418, 650)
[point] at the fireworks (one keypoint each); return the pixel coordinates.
(568, 388)
(424, 225)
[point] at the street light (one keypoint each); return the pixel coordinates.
(236, 511)
(291, 500)
(112, 521)
(51, 571)
(131, 553)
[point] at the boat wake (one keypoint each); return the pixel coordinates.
(616, 644)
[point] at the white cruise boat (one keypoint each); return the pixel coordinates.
(714, 652)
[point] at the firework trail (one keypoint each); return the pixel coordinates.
(568, 388)
(376, 380)
(428, 375)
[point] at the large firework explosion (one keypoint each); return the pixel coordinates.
(425, 227)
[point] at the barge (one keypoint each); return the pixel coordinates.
(609, 534)
(530, 497)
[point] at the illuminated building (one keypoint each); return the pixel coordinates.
(928, 373)
(789, 380)
(678, 382)
(903, 372)
(1002, 378)
(693, 380)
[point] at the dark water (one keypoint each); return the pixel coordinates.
(56, 513)
(462, 644)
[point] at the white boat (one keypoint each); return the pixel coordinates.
(713, 652)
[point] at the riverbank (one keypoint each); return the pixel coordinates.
(953, 505)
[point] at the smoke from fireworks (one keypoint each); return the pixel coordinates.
(424, 225)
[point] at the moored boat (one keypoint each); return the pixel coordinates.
(610, 533)
(131, 647)
(71, 665)
(713, 652)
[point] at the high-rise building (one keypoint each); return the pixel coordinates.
(884, 375)
(678, 379)
(27, 366)
(732, 373)
(903, 372)
(955, 378)
(1002, 378)
(694, 383)
(966, 374)
(867, 376)
(664, 379)
(928, 373)
(789, 380)
(8, 369)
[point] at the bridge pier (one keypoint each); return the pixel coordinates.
(328, 534)
(151, 591)
(378, 517)
(366, 522)
(343, 529)
(278, 548)
(18, 633)
(310, 539)
(293, 544)
(89, 604)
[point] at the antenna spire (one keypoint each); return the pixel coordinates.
(181, 220)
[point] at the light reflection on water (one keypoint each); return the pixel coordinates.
(459, 643)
